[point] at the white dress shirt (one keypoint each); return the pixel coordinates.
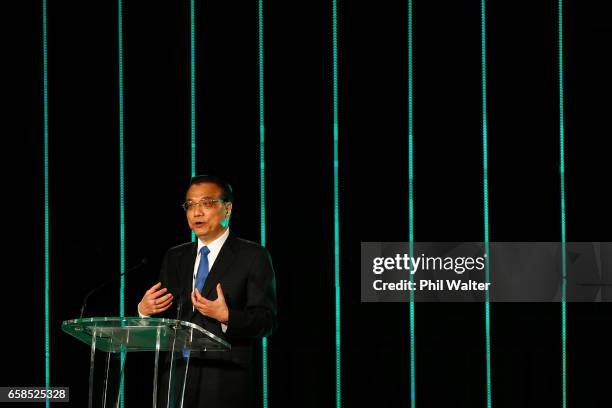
(215, 248)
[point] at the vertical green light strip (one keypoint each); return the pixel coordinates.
(563, 237)
(46, 175)
(336, 198)
(192, 87)
(485, 170)
(410, 206)
(121, 177)
(262, 162)
(262, 183)
(121, 165)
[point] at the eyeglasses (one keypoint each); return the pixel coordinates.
(205, 202)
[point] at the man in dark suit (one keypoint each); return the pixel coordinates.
(225, 285)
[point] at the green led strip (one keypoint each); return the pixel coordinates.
(121, 163)
(411, 206)
(192, 87)
(121, 179)
(262, 185)
(46, 175)
(485, 170)
(336, 198)
(563, 242)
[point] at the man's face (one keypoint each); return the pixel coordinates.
(207, 223)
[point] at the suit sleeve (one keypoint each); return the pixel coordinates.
(258, 318)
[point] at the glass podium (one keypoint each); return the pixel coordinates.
(117, 336)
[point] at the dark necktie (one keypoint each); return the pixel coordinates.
(200, 277)
(202, 268)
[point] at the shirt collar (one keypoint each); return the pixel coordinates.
(215, 246)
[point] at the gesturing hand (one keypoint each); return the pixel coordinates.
(217, 309)
(155, 300)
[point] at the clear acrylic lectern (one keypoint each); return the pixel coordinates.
(117, 336)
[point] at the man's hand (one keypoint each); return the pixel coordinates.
(155, 300)
(217, 309)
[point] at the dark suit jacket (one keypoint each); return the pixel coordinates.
(245, 272)
(225, 378)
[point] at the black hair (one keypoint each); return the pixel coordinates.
(226, 189)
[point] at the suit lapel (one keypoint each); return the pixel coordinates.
(221, 265)
(186, 271)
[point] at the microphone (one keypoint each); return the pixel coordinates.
(142, 263)
(179, 308)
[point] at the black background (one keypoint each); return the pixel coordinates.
(524, 192)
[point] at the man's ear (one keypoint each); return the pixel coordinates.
(228, 210)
